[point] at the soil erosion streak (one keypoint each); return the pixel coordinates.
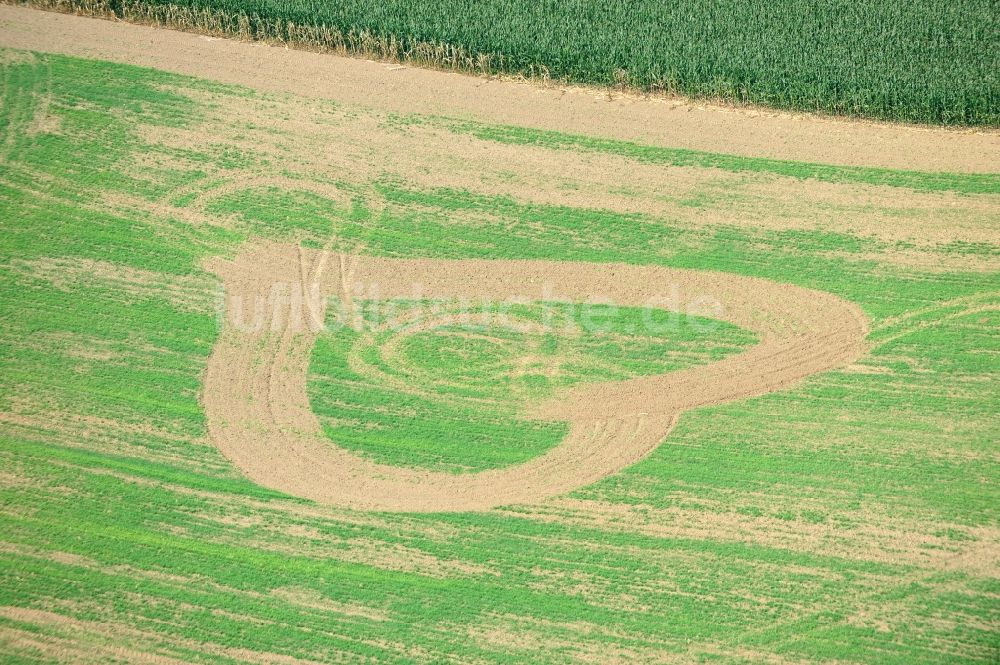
(258, 409)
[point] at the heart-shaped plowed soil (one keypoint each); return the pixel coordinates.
(258, 409)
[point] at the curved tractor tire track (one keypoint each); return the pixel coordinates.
(259, 415)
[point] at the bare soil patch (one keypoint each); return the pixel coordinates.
(259, 415)
(314, 145)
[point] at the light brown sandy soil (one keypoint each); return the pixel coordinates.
(353, 147)
(409, 90)
(258, 411)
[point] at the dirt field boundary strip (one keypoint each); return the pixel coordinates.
(258, 410)
(394, 88)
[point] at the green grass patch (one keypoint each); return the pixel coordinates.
(410, 388)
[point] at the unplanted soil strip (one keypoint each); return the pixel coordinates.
(664, 122)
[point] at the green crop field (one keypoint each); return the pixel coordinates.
(850, 517)
(483, 377)
(919, 61)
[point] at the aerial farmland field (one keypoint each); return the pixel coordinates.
(308, 359)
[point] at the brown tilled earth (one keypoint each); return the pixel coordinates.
(259, 414)
(309, 139)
